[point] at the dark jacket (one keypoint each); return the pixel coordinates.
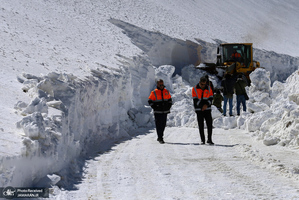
(202, 97)
(228, 86)
(217, 101)
(211, 85)
(240, 86)
(160, 101)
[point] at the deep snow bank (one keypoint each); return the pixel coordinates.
(272, 112)
(69, 117)
(281, 120)
(280, 66)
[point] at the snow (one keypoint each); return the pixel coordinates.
(76, 76)
(183, 169)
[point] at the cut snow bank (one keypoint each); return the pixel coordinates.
(68, 118)
(273, 112)
(160, 48)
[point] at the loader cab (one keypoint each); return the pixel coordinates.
(225, 53)
(225, 64)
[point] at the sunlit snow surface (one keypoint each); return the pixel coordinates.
(76, 76)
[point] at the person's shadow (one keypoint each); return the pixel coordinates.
(179, 143)
(219, 145)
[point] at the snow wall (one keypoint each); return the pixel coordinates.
(272, 112)
(68, 118)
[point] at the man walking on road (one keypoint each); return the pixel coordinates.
(161, 102)
(202, 96)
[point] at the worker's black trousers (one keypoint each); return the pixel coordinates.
(201, 116)
(160, 120)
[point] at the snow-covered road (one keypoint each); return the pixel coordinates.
(236, 167)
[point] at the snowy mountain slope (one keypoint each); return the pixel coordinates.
(75, 61)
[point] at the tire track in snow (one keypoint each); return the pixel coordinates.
(181, 169)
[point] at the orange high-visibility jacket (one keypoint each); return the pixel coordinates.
(202, 97)
(160, 101)
(236, 55)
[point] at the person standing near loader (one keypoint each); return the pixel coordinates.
(240, 92)
(217, 100)
(209, 83)
(202, 96)
(228, 91)
(161, 102)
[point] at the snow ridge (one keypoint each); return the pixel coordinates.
(69, 117)
(160, 48)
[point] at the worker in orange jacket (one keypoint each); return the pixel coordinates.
(161, 102)
(236, 56)
(202, 95)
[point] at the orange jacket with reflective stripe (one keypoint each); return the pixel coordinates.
(236, 55)
(160, 101)
(202, 97)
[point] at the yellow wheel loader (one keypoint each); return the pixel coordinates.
(233, 58)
